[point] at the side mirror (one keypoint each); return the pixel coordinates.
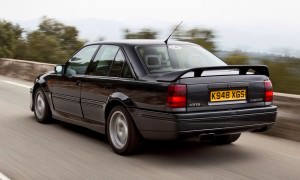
(59, 69)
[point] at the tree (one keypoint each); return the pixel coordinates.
(203, 37)
(45, 48)
(236, 58)
(53, 42)
(10, 34)
(145, 33)
(67, 35)
(21, 49)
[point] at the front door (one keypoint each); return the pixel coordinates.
(66, 89)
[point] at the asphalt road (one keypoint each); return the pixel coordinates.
(29, 150)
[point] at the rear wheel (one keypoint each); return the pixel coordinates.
(122, 133)
(42, 110)
(226, 139)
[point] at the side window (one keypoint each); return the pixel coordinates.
(126, 73)
(110, 61)
(117, 65)
(104, 59)
(80, 61)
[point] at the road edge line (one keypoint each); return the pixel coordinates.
(16, 84)
(3, 177)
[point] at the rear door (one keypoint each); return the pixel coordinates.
(66, 89)
(106, 74)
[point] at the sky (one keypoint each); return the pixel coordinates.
(254, 25)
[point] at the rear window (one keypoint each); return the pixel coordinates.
(160, 58)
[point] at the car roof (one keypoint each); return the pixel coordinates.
(139, 42)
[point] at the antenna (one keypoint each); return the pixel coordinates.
(166, 41)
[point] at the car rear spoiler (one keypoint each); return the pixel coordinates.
(243, 69)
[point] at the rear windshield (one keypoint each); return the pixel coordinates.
(159, 58)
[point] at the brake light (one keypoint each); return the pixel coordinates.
(176, 96)
(268, 91)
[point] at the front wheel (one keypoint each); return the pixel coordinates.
(42, 110)
(122, 133)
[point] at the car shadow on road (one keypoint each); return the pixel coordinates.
(189, 153)
(177, 153)
(81, 131)
(173, 153)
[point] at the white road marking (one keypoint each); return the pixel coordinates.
(3, 177)
(16, 84)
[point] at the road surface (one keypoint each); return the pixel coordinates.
(29, 150)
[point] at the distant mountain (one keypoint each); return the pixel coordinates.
(89, 29)
(229, 37)
(95, 29)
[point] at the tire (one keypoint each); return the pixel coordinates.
(122, 134)
(225, 139)
(41, 108)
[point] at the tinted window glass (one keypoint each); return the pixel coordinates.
(117, 65)
(104, 59)
(126, 73)
(159, 58)
(80, 61)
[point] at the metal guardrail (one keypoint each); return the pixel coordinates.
(26, 70)
(288, 119)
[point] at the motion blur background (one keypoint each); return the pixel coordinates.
(239, 32)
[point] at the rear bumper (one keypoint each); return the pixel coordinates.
(157, 125)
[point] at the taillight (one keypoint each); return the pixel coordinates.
(268, 91)
(176, 96)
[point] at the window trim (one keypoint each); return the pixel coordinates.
(92, 58)
(111, 65)
(108, 74)
(131, 69)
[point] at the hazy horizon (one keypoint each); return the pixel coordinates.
(228, 39)
(249, 25)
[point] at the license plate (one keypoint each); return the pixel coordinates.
(228, 95)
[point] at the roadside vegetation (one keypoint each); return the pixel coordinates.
(54, 42)
(284, 71)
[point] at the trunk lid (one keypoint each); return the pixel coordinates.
(224, 92)
(222, 88)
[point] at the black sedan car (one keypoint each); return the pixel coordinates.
(133, 90)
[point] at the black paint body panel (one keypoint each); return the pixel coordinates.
(85, 100)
